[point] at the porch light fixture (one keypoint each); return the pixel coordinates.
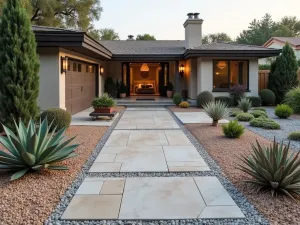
(181, 70)
(64, 64)
(144, 68)
(221, 65)
(101, 70)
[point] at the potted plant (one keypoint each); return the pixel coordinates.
(170, 90)
(110, 87)
(103, 104)
(123, 90)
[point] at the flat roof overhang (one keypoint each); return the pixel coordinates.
(192, 53)
(147, 57)
(75, 41)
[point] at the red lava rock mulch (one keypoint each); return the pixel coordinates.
(178, 109)
(30, 200)
(280, 210)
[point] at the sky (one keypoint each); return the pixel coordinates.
(164, 18)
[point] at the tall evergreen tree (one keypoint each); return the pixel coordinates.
(283, 75)
(19, 65)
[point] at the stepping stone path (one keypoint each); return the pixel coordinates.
(150, 141)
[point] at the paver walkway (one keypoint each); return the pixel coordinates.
(164, 150)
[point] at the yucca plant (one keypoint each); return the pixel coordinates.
(34, 148)
(244, 104)
(216, 110)
(273, 169)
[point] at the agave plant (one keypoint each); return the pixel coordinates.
(216, 110)
(34, 148)
(244, 104)
(273, 168)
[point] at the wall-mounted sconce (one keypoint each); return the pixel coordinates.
(64, 64)
(181, 70)
(101, 70)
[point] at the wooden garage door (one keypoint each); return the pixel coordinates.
(80, 86)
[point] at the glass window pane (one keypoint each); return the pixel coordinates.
(239, 73)
(220, 76)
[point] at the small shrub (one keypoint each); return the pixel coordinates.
(255, 101)
(244, 117)
(60, 118)
(204, 97)
(264, 67)
(267, 97)
(244, 104)
(294, 136)
(34, 148)
(235, 112)
(259, 113)
(104, 101)
(177, 99)
(271, 125)
(278, 176)
(292, 98)
(283, 111)
(123, 88)
(226, 99)
(237, 92)
(170, 86)
(257, 122)
(233, 129)
(184, 105)
(260, 109)
(216, 111)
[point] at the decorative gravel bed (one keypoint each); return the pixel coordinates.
(252, 216)
(224, 151)
(287, 126)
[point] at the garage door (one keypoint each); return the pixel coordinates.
(80, 86)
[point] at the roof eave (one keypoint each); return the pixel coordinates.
(146, 57)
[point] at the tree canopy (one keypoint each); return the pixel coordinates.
(107, 34)
(145, 37)
(217, 37)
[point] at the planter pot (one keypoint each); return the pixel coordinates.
(104, 110)
(122, 95)
(169, 94)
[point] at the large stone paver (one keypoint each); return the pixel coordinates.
(195, 117)
(153, 198)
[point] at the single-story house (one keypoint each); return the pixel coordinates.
(279, 42)
(74, 66)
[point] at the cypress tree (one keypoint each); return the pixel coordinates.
(19, 65)
(283, 75)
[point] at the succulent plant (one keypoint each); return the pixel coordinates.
(34, 148)
(233, 129)
(273, 168)
(216, 110)
(244, 104)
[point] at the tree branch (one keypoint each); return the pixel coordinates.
(35, 15)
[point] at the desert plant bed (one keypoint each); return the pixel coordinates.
(32, 198)
(225, 152)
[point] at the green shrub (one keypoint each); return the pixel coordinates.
(294, 136)
(267, 97)
(110, 87)
(244, 104)
(292, 98)
(283, 111)
(264, 67)
(104, 101)
(60, 118)
(237, 92)
(34, 148)
(233, 129)
(184, 105)
(258, 113)
(216, 111)
(227, 99)
(278, 176)
(257, 122)
(244, 117)
(271, 125)
(260, 109)
(204, 97)
(255, 101)
(235, 112)
(177, 99)
(123, 88)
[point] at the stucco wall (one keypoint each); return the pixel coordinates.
(205, 77)
(191, 78)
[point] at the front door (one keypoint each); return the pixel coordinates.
(163, 79)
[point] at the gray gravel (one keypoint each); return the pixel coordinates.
(287, 126)
(252, 216)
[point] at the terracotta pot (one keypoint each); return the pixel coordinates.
(169, 94)
(122, 95)
(104, 110)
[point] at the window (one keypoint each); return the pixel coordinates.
(74, 67)
(79, 67)
(227, 73)
(87, 68)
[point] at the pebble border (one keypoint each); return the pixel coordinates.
(251, 214)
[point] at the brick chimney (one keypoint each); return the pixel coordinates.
(193, 30)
